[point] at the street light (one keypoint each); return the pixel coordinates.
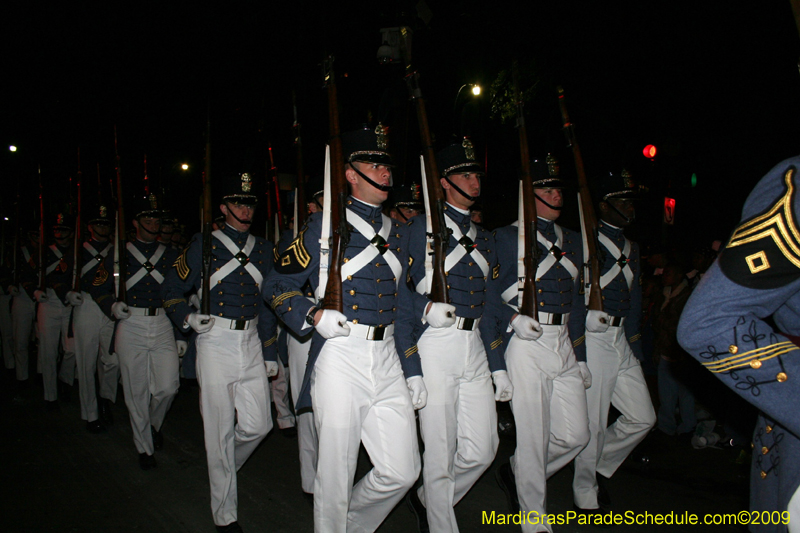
(476, 90)
(185, 166)
(12, 148)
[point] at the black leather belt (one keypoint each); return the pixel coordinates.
(239, 324)
(468, 324)
(616, 321)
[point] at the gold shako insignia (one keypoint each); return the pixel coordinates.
(153, 201)
(103, 211)
(627, 179)
(469, 149)
(415, 194)
(380, 131)
(60, 219)
(247, 182)
(552, 165)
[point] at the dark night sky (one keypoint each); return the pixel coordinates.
(714, 85)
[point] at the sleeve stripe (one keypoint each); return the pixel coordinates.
(411, 351)
(577, 342)
(270, 341)
(285, 296)
(635, 338)
(758, 352)
(744, 364)
(496, 343)
(170, 303)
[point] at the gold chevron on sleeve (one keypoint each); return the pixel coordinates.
(497, 342)
(181, 266)
(745, 359)
(411, 351)
(298, 249)
(270, 341)
(170, 303)
(577, 342)
(776, 224)
(278, 300)
(635, 338)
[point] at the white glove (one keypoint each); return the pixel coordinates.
(332, 324)
(597, 321)
(120, 310)
(200, 323)
(585, 374)
(503, 385)
(419, 394)
(194, 301)
(39, 296)
(182, 347)
(13, 290)
(526, 328)
(74, 298)
(272, 368)
(440, 315)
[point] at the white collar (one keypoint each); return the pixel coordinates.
(457, 209)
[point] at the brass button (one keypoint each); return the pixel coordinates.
(380, 296)
(241, 284)
(377, 281)
(781, 377)
(346, 260)
(763, 475)
(355, 307)
(221, 304)
(394, 279)
(541, 304)
(349, 278)
(539, 291)
(220, 314)
(352, 292)
(764, 450)
(355, 321)
(377, 264)
(752, 445)
(755, 363)
(471, 263)
(769, 429)
(349, 202)
(733, 348)
(287, 309)
(220, 293)
(241, 295)
(470, 277)
(472, 292)
(380, 311)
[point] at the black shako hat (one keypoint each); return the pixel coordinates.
(617, 186)
(239, 189)
(545, 173)
(458, 158)
(147, 206)
(100, 214)
(63, 220)
(409, 195)
(367, 145)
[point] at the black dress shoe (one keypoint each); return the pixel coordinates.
(65, 392)
(419, 511)
(233, 527)
(95, 427)
(158, 438)
(603, 496)
(505, 478)
(146, 462)
(309, 497)
(106, 411)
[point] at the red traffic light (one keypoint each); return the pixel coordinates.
(649, 151)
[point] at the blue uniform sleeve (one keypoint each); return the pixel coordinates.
(633, 321)
(577, 316)
(294, 267)
(495, 355)
(182, 278)
(408, 321)
(267, 321)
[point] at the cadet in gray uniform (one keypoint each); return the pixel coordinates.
(724, 326)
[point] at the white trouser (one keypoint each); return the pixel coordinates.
(7, 331)
(306, 430)
(148, 360)
(459, 423)
(617, 379)
(53, 325)
(23, 311)
(93, 331)
(234, 403)
(794, 510)
(279, 387)
(360, 396)
(550, 415)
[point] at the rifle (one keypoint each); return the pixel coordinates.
(340, 235)
(42, 266)
(438, 234)
(273, 172)
(121, 258)
(588, 218)
(205, 296)
(527, 305)
(301, 209)
(77, 255)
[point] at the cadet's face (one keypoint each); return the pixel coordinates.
(100, 232)
(552, 197)
(62, 235)
(380, 174)
(147, 228)
(624, 206)
(469, 182)
(238, 216)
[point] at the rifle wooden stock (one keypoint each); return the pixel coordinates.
(441, 235)
(302, 206)
(41, 234)
(528, 304)
(205, 305)
(339, 232)
(589, 218)
(122, 251)
(77, 255)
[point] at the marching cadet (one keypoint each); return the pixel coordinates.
(354, 379)
(92, 326)
(235, 343)
(23, 308)
(725, 326)
(145, 340)
(546, 359)
(613, 351)
(459, 422)
(408, 203)
(167, 229)
(54, 314)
